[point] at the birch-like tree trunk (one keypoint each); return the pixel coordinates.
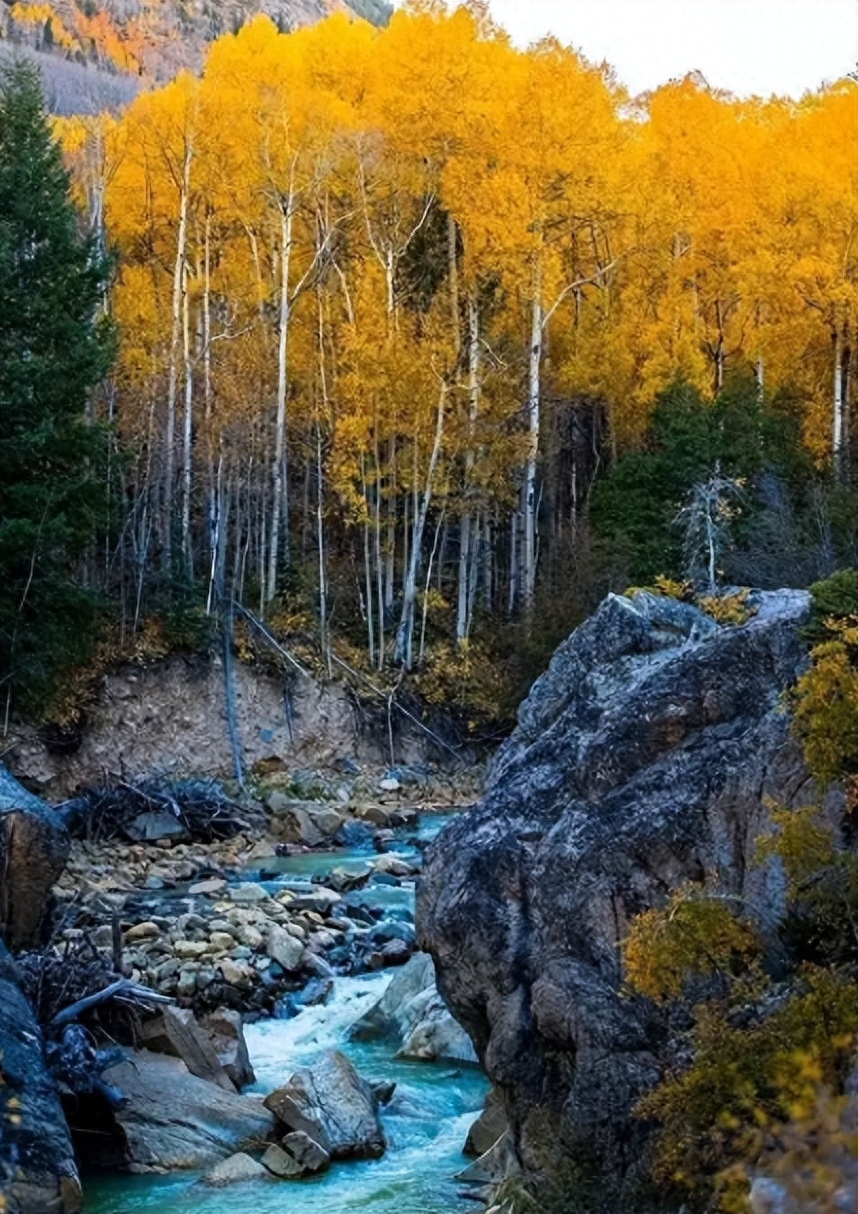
(404, 650)
(279, 503)
(177, 311)
(528, 494)
(467, 540)
(187, 430)
(837, 416)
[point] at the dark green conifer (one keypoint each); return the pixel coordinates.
(54, 348)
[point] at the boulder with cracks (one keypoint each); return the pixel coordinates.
(644, 758)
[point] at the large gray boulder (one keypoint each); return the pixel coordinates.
(38, 1174)
(172, 1119)
(34, 848)
(645, 757)
(412, 1015)
(334, 1106)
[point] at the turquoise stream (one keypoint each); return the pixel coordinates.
(425, 1123)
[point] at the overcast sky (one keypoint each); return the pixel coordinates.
(746, 46)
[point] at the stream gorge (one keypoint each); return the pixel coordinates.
(425, 1122)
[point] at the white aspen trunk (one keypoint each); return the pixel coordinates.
(216, 557)
(187, 430)
(390, 279)
(320, 500)
(719, 349)
(367, 572)
(179, 281)
(473, 574)
(837, 417)
(215, 492)
(513, 561)
(404, 652)
(467, 565)
(390, 541)
(463, 595)
(488, 565)
(279, 505)
(453, 269)
(379, 572)
(846, 389)
(320, 541)
(421, 653)
(529, 487)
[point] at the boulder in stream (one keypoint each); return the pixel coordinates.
(237, 1168)
(412, 1015)
(298, 1155)
(175, 1031)
(489, 1126)
(171, 1119)
(334, 1106)
(226, 1030)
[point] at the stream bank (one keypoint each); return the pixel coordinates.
(426, 1121)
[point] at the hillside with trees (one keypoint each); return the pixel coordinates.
(422, 337)
(96, 56)
(382, 364)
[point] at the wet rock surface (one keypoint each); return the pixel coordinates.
(331, 1104)
(171, 1119)
(645, 757)
(412, 1015)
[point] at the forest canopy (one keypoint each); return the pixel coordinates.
(404, 317)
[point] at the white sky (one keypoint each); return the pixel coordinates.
(746, 46)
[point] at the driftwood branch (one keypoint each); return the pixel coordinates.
(122, 987)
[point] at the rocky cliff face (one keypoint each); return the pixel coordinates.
(645, 757)
(94, 54)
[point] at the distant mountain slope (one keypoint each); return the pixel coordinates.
(96, 53)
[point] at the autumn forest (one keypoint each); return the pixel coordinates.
(394, 308)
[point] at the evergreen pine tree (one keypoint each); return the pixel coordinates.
(54, 348)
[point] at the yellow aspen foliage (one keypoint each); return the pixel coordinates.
(696, 935)
(825, 704)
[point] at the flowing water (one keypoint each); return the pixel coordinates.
(425, 1123)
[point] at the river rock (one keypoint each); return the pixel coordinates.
(172, 1119)
(298, 1156)
(646, 756)
(175, 1031)
(412, 1015)
(236, 973)
(35, 1144)
(320, 899)
(155, 825)
(248, 894)
(34, 848)
(435, 1035)
(495, 1165)
(284, 948)
(306, 1152)
(488, 1127)
(333, 1105)
(211, 886)
(308, 822)
(225, 1027)
(142, 931)
(237, 1168)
